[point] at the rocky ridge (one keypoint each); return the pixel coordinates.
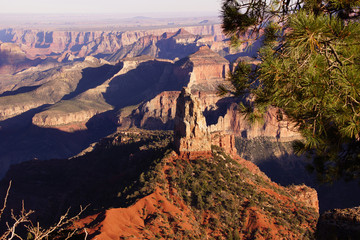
(200, 191)
(339, 224)
(125, 84)
(13, 59)
(53, 87)
(37, 43)
(164, 196)
(206, 70)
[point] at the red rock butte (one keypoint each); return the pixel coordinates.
(192, 138)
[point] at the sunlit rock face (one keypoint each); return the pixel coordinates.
(192, 138)
(38, 43)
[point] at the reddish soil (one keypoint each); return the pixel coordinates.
(147, 217)
(164, 214)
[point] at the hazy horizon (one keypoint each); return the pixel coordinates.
(107, 14)
(159, 8)
(89, 22)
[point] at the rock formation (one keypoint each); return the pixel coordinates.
(192, 138)
(225, 141)
(155, 193)
(206, 70)
(339, 224)
(271, 126)
(159, 111)
(13, 59)
(51, 86)
(54, 44)
(305, 194)
(202, 72)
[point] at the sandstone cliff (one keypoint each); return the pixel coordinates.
(37, 43)
(123, 85)
(50, 88)
(206, 70)
(201, 72)
(192, 138)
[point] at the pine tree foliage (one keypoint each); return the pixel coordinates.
(310, 68)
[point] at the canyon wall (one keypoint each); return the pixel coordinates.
(206, 70)
(37, 43)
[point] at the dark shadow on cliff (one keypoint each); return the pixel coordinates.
(103, 178)
(20, 140)
(93, 77)
(143, 83)
(212, 115)
(152, 123)
(19, 91)
(277, 161)
(169, 49)
(6, 35)
(340, 194)
(12, 64)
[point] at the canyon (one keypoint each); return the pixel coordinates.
(114, 45)
(162, 200)
(71, 95)
(60, 111)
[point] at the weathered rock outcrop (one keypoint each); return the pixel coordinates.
(225, 141)
(339, 224)
(37, 43)
(206, 70)
(305, 194)
(13, 59)
(201, 72)
(56, 83)
(233, 121)
(192, 138)
(159, 112)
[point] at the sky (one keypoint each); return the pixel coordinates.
(110, 6)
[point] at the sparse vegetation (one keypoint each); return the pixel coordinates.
(224, 199)
(229, 192)
(309, 69)
(21, 224)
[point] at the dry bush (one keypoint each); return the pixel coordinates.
(63, 229)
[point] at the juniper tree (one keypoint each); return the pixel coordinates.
(310, 69)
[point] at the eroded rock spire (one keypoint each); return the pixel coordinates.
(192, 138)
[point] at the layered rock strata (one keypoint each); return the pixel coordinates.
(271, 126)
(192, 138)
(206, 70)
(94, 100)
(55, 84)
(37, 43)
(305, 194)
(225, 141)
